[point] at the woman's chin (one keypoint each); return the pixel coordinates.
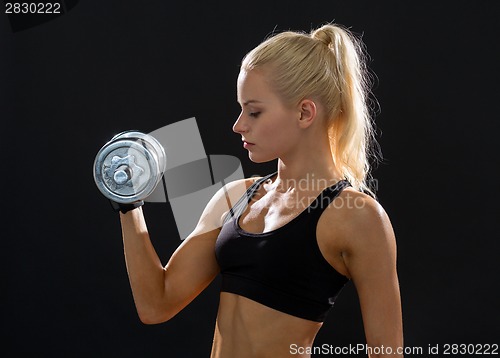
(259, 159)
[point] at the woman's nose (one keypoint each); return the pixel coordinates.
(239, 126)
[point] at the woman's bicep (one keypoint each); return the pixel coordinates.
(190, 270)
(193, 265)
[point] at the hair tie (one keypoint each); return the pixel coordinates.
(323, 37)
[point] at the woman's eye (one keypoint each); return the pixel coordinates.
(254, 114)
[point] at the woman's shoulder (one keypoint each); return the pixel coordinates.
(222, 201)
(357, 205)
(354, 214)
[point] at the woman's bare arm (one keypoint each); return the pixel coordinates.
(161, 292)
(358, 240)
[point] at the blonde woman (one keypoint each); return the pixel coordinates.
(294, 238)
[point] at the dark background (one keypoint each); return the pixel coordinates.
(69, 84)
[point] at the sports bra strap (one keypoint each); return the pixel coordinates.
(243, 201)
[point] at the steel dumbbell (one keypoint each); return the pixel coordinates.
(129, 167)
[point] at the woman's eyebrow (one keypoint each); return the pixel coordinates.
(251, 102)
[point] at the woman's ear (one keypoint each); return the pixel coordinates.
(308, 113)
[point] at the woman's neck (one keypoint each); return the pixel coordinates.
(307, 170)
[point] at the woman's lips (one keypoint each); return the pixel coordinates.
(247, 144)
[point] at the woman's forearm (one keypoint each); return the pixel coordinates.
(145, 270)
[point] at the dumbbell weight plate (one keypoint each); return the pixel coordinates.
(156, 148)
(129, 167)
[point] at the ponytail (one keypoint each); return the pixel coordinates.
(350, 130)
(328, 65)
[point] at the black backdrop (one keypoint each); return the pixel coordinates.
(69, 84)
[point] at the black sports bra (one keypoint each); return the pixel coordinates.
(284, 268)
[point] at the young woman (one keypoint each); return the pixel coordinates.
(292, 241)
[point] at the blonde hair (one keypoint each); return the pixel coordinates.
(327, 65)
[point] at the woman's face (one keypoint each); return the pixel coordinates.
(267, 127)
